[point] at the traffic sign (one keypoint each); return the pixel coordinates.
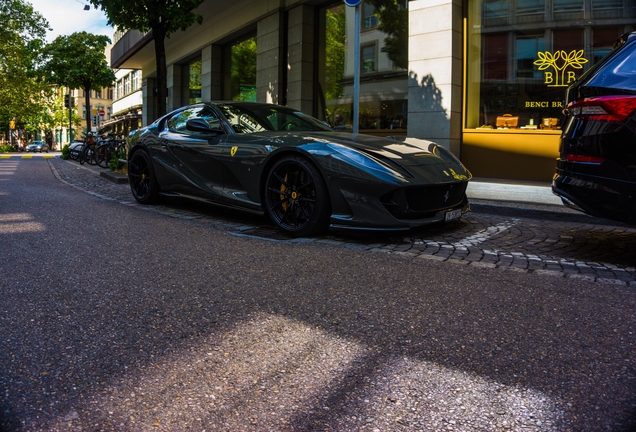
(352, 3)
(102, 113)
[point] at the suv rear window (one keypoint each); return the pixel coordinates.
(620, 69)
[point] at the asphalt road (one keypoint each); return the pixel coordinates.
(129, 318)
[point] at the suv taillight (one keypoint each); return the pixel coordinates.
(583, 158)
(604, 108)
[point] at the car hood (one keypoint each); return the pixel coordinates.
(406, 152)
(417, 157)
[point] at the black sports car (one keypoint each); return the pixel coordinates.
(596, 170)
(306, 177)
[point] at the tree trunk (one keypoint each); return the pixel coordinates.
(159, 36)
(87, 101)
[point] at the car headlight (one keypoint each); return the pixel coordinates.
(363, 160)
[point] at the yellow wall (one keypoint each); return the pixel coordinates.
(511, 154)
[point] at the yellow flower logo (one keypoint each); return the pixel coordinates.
(548, 60)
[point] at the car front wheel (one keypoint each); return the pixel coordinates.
(141, 176)
(296, 197)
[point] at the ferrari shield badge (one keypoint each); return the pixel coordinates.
(233, 151)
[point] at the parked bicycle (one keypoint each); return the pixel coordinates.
(107, 149)
(88, 150)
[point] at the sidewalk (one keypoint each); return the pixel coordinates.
(494, 192)
(510, 191)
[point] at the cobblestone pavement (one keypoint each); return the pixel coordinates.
(561, 244)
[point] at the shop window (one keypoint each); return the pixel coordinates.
(383, 108)
(127, 84)
(607, 4)
(495, 8)
(495, 64)
(194, 82)
(369, 20)
(526, 54)
(568, 5)
(603, 40)
(368, 58)
(136, 81)
(530, 6)
(546, 56)
(240, 70)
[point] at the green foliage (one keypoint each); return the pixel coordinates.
(194, 82)
(66, 152)
(78, 61)
(163, 17)
(7, 148)
(115, 164)
(335, 52)
(243, 70)
(145, 15)
(22, 33)
(394, 21)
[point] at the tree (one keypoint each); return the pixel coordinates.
(335, 52)
(78, 61)
(163, 17)
(394, 21)
(243, 70)
(22, 33)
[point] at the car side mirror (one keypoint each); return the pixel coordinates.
(200, 125)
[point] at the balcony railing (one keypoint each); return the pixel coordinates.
(127, 45)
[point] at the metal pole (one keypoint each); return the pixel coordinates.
(70, 124)
(70, 117)
(356, 70)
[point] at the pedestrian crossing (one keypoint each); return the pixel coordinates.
(26, 156)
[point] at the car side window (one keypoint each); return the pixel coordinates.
(178, 122)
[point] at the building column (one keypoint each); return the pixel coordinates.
(269, 59)
(436, 71)
(174, 84)
(211, 73)
(149, 97)
(300, 66)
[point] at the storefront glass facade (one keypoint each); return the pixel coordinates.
(383, 74)
(243, 70)
(523, 54)
(194, 82)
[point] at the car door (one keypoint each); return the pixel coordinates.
(195, 154)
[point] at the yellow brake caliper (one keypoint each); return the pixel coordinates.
(282, 197)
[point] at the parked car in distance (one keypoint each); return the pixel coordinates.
(596, 169)
(37, 146)
(306, 177)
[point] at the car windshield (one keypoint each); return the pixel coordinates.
(261, 118)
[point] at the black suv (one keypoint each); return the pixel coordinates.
(596, 169)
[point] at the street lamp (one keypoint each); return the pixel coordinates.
(86, 6)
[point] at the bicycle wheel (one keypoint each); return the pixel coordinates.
(87, 154)
(82, 155)
(90, 156)
(103, 154)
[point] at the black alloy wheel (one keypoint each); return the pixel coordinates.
(141, 176)
(296, 197)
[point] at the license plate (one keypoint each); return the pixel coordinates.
(452, 215)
